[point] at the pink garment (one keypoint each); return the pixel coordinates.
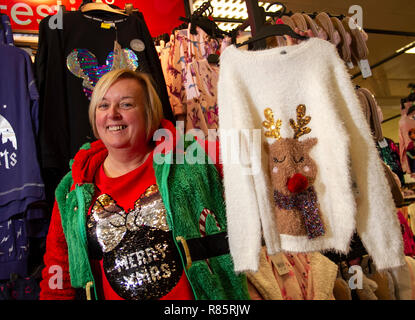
(408, 236)
(297, 284)
(164, 56)
(406, 123)
(202, 95)
(174, 74)
(192, 81)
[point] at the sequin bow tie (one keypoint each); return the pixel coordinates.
(112, 221)
(306, 203)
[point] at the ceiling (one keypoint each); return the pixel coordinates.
(390, 80)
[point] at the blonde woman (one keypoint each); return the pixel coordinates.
(125, 226)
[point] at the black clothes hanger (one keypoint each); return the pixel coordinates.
(207, 25)
(200, 18)
(277, 14)
(273, 30)
(206, 7)
(180, 27)
(200, 11)
(260, 30)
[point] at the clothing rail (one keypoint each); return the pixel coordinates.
(245, 23)
(257, 18)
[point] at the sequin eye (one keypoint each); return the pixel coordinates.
(299, 160)
(279, 161)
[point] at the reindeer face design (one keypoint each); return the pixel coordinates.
(293, 173)
(292, 169)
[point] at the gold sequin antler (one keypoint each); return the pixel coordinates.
(272, 125)
(300, 128)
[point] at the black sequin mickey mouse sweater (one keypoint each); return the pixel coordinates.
(64, 88)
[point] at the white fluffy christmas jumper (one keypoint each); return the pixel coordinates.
(350, 185)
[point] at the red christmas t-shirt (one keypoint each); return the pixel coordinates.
(133, 255)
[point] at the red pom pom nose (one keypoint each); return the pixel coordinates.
(297, 183)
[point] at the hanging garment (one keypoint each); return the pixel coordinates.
(385, 287)
(164, 56)
(390, 155)
(411, 216)
(192, 80)
(362, 287)
(317, 176)
(374, 118)
(408, 236)
(21, 182)
(14, 247)
(20, 288)
(173, 72)
(394, 184)
(384, 280)
(407, 137)
(404, 280)
(7, 29)
(2, 34)
(293, 276)
(341, 290)
(69, 63)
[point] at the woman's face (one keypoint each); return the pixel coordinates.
(120, 116)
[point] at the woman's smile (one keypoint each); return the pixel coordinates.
(120, 116)
(116, 128)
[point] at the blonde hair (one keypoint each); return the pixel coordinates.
(153, 107)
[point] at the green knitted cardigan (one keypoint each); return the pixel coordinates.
(186, 189)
